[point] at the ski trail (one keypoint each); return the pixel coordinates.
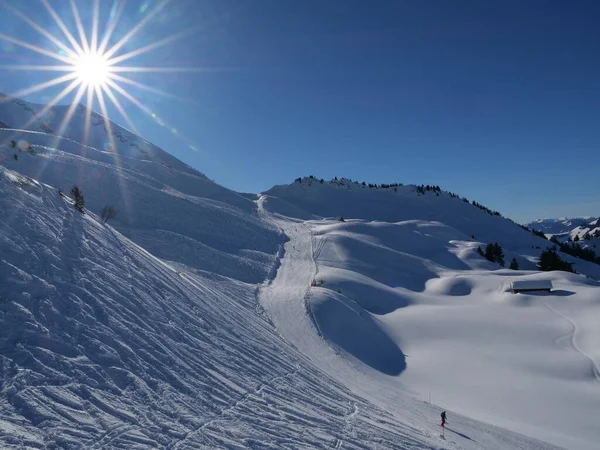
(227, 410)
(308, 294)
(286, 299)
(573, 335)
(349, 424)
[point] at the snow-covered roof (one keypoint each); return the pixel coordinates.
(531, 285)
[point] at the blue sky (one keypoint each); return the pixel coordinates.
(497, 101)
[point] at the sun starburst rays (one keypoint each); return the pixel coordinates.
(91, 64)
(62, 26)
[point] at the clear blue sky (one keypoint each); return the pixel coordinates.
(498, 101)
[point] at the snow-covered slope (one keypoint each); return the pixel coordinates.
(309, 198)
(353, 200)
(172, 210)
(105, 346)
(102, 345)
(21, 115)
(560, 225)
(582, 231)
(588, 233)
(410, 303)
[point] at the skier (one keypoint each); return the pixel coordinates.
(443, 418)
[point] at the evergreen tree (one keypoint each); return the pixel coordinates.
(78, 197)
(549, 260)
(480, 251)
(576, 239)
(494, 253)
(499, 254)
(489, 253)
(514, 265)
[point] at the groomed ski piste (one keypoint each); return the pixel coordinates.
(189, 321)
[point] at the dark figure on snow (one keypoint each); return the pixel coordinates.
(443, 418)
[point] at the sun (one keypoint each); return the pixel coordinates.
(93, 69)
(93, 63)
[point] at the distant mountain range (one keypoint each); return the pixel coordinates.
(568, 228)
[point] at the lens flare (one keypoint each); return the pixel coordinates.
(92, 69)
(90, 64)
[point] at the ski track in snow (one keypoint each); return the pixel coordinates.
(573, 338)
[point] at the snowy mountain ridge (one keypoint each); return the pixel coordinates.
(131, 179)
(560, 225)
(21, 115)
(585, 231)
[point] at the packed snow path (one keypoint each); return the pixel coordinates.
(286, 298)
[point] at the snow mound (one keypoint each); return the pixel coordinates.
(349, 329)
(453, 286)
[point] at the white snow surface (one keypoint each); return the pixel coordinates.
(102, 345)
(105, 346)
(189, 321)
(441, 319)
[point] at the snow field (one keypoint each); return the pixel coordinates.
(525, 362)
